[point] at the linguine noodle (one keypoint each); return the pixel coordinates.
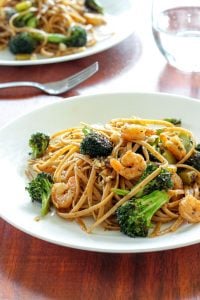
(85, 187)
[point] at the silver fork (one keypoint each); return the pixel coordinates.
(57, 87)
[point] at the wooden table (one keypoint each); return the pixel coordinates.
(34, 269)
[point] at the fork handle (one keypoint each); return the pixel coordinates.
(18, 84)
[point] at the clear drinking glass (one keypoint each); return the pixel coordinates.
(176, 29)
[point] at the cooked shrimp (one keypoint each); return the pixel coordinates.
(173, 144)
(131, 165)
(62, 194)
(136, 132)
(189, 209)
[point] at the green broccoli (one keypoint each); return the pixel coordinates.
(22, 20)
(39, 190)
(174, 121)
(38, 143)
(134, 216)
(194, 160)
(95, 144)
(22, 43)
(94, 6)
(161, 182)
(77, 38)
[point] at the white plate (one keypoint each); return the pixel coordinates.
(120, 16)
(15, 205)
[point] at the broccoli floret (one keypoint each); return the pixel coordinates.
(95, 144)
(161, 182)
(134, 216)
(39, 190)
(22, 43)
(174, 121)
(197, 148)
(94, 6)
(38, 143)
(194, 160)
(77, 38)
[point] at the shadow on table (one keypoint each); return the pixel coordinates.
(174, 81)
(112, 62)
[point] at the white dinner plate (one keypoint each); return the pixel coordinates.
(120, 25)
(15, 205)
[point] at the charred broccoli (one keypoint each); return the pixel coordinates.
(95, 144)
(194, 160)
(22, 43)
(38, 143)
(134, 216)
(39, 190)
(161, 182)
(94, 6)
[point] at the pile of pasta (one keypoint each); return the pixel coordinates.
(52, 16)
(84, 186)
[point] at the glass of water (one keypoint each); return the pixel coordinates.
(176, 29)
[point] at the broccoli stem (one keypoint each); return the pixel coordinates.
(77, 37)
(24, 5)
(161, 182)
(120, 192)
(32, 22)
(151, 203)
(39, 190)
(46, 200)
(56, 38)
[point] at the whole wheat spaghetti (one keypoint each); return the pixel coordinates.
(84, 187)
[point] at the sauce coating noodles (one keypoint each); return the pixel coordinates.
(85, 187)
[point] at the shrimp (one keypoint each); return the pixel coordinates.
(62, 194)
(189, 209)
(136, 132)
(131, 166)
(173, 144)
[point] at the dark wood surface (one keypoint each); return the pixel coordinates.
(34, 269)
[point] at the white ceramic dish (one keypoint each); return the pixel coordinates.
(15, 205)
(120, 14)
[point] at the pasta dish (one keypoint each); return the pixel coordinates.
(49, 28)
(139, 176)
